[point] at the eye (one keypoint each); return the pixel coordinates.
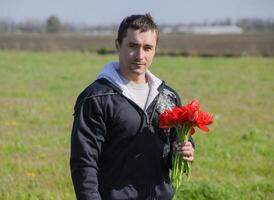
(132, 45)
(148, 48)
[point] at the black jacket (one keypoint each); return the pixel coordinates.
(117, 150)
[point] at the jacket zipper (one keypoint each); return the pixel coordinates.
(149, 121)
(138, 108)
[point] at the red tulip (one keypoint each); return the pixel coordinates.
(184, 118)
(168, 119)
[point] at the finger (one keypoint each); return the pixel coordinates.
(187, 149)
(185, 144)
(187, 153)
(188, 144)
(190, 159)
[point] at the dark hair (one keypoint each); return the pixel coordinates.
(136, 22)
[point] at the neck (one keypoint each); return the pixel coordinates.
(139, 79)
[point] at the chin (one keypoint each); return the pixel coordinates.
(139, 69)
(139, 72)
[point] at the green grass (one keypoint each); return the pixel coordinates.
(38, 90)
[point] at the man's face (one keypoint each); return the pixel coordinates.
(136, 53)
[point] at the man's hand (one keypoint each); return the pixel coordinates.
(186, 150)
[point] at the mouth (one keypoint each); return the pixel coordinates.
(139, 64)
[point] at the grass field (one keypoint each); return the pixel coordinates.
(38, 90)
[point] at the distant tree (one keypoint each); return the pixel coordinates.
(223, 22)
(256, 24)
(31, 26)
(6, 25)
(53, 24)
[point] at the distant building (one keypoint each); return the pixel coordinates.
(217, 30)
(167, 30)
(210, 30)
(202, 29)
(100, 33)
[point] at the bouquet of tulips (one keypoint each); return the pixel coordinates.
(184, 119)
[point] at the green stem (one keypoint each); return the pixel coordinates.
(180, 166)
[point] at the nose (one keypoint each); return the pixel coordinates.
(139, 54)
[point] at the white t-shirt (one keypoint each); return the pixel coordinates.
(138, 91)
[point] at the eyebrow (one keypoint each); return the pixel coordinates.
(138, 44)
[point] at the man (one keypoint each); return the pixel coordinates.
(118, 150)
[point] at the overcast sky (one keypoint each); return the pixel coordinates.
(96, 12)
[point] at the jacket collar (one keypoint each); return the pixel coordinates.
(111, 73)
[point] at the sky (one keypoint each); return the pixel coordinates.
(102, 12)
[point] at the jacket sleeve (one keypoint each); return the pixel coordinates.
(88, 135)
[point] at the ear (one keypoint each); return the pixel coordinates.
(117, 45)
